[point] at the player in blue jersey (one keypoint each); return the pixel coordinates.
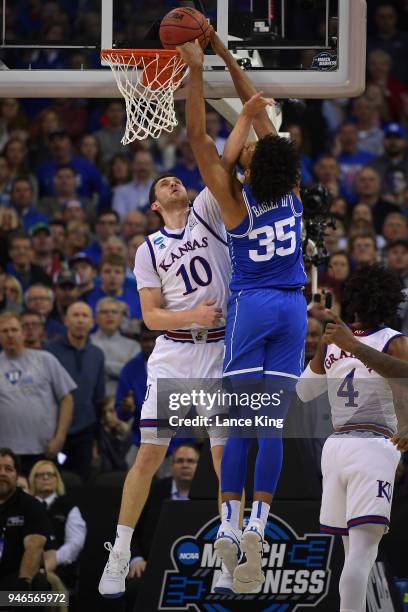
(266, 318)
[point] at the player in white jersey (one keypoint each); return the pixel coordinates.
(182, 274)
(359, 460)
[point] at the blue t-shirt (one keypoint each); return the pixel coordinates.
(266, 249)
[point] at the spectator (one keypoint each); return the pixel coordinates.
(14, 294)
(362, 220)
(213, 126)
(327, 172)
(114, 439)
(370, 135)
(117, 349)
(11, 118)
(388, 38)
(339, 207)
(176, 487)
(313, 337)
(42, 247)
(334, 237)
(120, 171)
(363, 249)
(106, 225)
(85, 363)
(77, 238)
(33, 330)
(58, 234)
(40, 299)
(379, 67)
(395, 227)
(20, 265)
(133, 223)
(186, 169)
(23, 544)
(68, 524)
(89, 179)
(296, 135)
(15, 152)
(368, 190)
(132, 246)
(66, 293)
(396, 257)
(338, 267)
(89, 149)
(131, 389)
(73, 210)
(46, 122)
(22, 198)
(394, 160)
(318, 310)
(37, 428)
(114, 245)
(154, 222)
(81, 264)
(112, 273)
(5, 182)
(135, 195)
(9, 222)
(350, 159)
(65, 190)
(110, 136)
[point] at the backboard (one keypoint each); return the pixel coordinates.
(291, 48)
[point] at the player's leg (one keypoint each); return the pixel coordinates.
(284, 347)
(363, 549)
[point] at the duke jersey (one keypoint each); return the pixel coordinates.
(357, 394)
(265, 248)
(191, 265)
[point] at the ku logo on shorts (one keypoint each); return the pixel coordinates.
(385, 490)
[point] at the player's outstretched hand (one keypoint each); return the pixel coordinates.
(207, 314)
(216, 43)
(256, 104)
(192, 54)
(338, 333)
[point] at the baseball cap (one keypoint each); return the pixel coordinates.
(394, 129)
(37, 227)
(80, 256)
(66, 277)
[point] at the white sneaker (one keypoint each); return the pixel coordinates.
(227, 546)
(224, 582)
(248, 576)
(112, 583)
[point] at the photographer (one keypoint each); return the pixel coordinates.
(24, 529)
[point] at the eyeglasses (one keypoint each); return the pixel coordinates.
(45, 474)
(180, 460)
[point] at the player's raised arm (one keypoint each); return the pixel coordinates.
(243, 85)
(224, 186)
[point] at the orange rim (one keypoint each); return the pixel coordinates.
(134, 56)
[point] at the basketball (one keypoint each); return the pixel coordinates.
(183, 25)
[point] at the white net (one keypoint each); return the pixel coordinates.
(147, 82)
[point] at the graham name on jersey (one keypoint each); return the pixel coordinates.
(331, 359)
(183, 250)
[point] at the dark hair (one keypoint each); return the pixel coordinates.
(274, 169)
(21, 179)
(7, 452)
(373, 293)
(107, 211)
(31, 313)
(113, 259)
(369, 235)
(59, 222)
(17, 236)
(152, 192)
(186, 445)
(65, 167)
(342, 253)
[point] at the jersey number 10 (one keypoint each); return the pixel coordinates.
(203, 279)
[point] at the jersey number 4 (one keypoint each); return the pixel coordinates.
(201, 275)
(347, 390)
(272, 233)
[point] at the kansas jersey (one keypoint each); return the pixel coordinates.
(265, 248)
(357, 394)
(191, 265)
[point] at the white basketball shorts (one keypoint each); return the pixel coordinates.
(171, 359)
(358, 482)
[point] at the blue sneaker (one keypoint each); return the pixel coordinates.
(249, 577)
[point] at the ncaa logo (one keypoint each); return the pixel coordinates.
(158, 240)
(188, 553)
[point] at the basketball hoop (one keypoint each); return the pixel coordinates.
(147, 79)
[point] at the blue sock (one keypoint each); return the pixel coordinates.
(268, 464)
(233, 464)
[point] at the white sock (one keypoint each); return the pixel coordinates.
(260, 511)
(123, 538)
(230, 512)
